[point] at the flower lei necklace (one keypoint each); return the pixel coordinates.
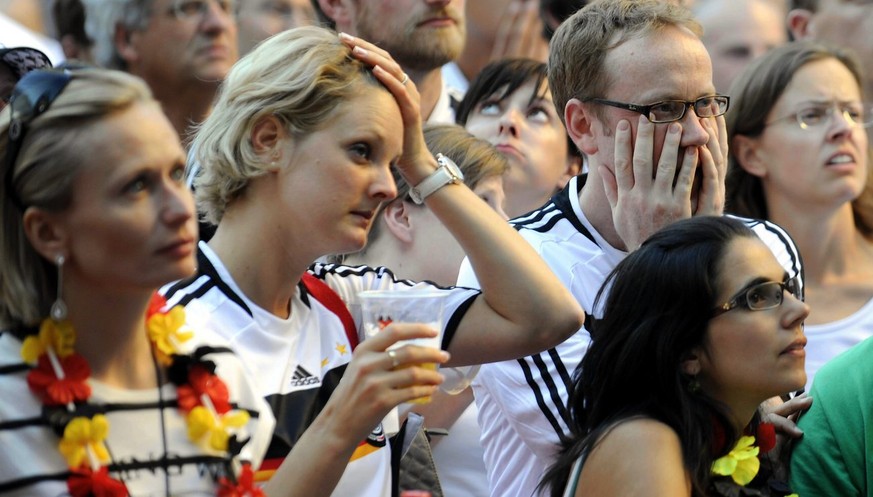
(742, 463)
(59, 380)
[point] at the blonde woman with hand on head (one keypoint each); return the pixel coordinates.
(296, 159)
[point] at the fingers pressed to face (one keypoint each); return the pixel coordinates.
(669, 156)
(624, 174)
(643, 147)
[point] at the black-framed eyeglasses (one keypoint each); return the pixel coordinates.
(816, 116)
(761, 296)
(195, 10)
(668, 111)
(32, 96)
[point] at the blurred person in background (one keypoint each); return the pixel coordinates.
(421, 35)
(261, 19)
(737, 32)
(181, 48)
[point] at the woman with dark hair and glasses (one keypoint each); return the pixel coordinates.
(701, 324)
(799, 132)
(799, 157)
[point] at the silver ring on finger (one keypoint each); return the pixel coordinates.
(394, 361)
(405, 79)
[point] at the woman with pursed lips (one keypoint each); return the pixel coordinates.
(509, 105)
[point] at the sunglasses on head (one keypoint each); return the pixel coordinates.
(31, 97)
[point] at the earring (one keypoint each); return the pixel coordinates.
(693, 384)
(59, 308)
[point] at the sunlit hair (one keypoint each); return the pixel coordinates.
(300, 76)
(101, 19)
(477, 159)
(500, 80)
(578, 50)
(753, 95)
(47, 165)
(657, 309)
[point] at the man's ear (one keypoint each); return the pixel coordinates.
(46, 232)
(747, 153)
(340, 12)
(579, 117)
(398, 220)
(798, 23)
(125, 44)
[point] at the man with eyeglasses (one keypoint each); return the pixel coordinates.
(182, 48)
(633, 83)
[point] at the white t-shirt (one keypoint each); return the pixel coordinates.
(826, 341)
(299, 361)
(523, 403)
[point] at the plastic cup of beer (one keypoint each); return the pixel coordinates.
(383, 307)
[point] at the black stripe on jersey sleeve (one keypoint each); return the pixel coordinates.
(551, 385)
(455, 320)
(541, 402)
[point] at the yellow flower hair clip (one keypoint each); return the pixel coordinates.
(741, 463)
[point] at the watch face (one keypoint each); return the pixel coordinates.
(450, 165)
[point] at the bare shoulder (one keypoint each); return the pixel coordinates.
(638, 456)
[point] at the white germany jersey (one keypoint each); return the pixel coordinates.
(299, 361)
(522, 403)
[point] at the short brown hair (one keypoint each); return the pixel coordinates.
(754, 93)
(578, 49)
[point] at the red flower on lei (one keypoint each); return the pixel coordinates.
(202, 382)
(244, 486)
(87, 483)
(53, 391)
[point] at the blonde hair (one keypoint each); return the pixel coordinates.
(48, 162)
(299, 76)
(579, 47)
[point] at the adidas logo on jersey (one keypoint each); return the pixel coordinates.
(303, 378)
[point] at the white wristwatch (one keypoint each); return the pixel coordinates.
(447, 173)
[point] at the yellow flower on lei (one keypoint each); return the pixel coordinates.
(163, 329)
(202, 421)
(60, 337)
(741, 463)
(80, 435)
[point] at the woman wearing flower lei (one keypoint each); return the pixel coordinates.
(106, 391)
(700, 327)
